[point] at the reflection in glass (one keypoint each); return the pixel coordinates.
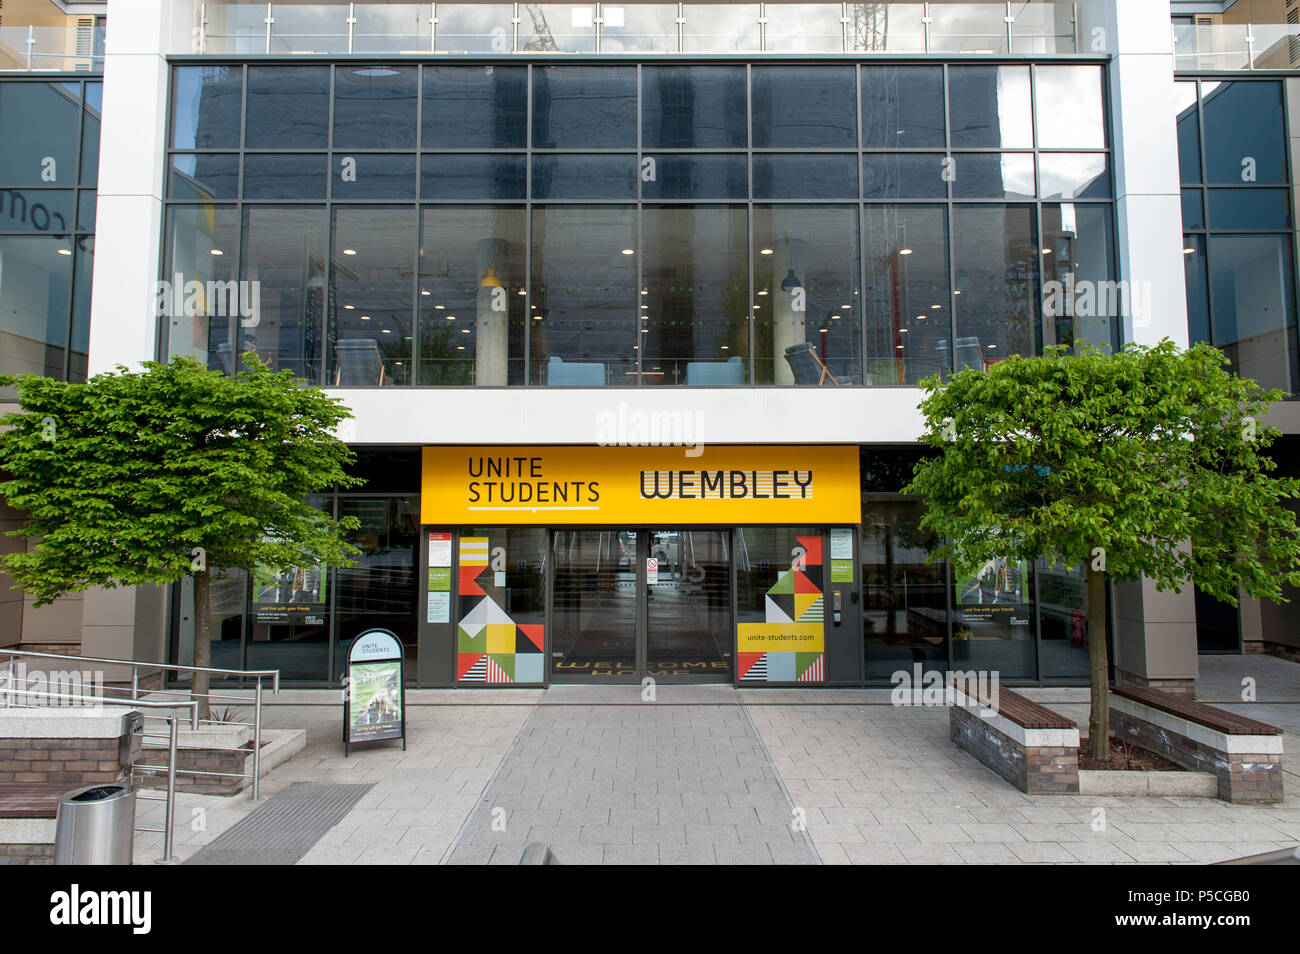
(41, 121)
(227, 598)
(1192, 209)
(83, 267)
(696, 278)
(1249, 209)
(904, 605)
(288, 107)
(697, 177)
(804, 28)
(1254, 323)
(1068, 107)
(584, 177)
(968, 28)
(368, 176)
(995, 251)
(1073, 175)
(90, 134)
(474, 107)
(473, 177)
(901, 175)
(1244, 132)
(557, 28)
(993, 624)
(471, 311)
(578, 107)
(285, 250)
(202, 246)
(371, 271)
(803, 106)
(200, 176)
(992, 176)
(1078, 269)
(278, 176)
(35, 281)
(906, 298)
(1198, 293)
(384, 28)
(375, 106)
(806, 295)
(206, 103)
(639, 27)
(380, 588)
(309, 29)
(806, 176)
(594, 615)
(721, 28)
(1063, 616)
(584, 286)
(475, 28)
(1189, 133)
(902, 106)
(694, 107)
(989, 106)
(688, 605)
(886, 28)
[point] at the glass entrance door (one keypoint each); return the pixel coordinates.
(627, 604)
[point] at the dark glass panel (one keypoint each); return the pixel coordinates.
(371, 296)
(903, 176)
(1009, 175)
(1198, 293)
(1249, 209)
(904, 606)
(473, 177)
(1078, 273)
(1073, 175)
(688, 609)
(40, 126)
(584, 287)
(1068, 107)
(801, 106)
(472, 314)
(693, 107)
(204, 176)
(998, 637)
(805, 177)
(995, 249)
(202, 243)
(989, 106)
(694, 314)
(86, 210)
(38, 210)
(35, 282)
(285, 251)
(906, 300)
(90, 134)
(1063, 615)
(380, 589)
(276, 176)
(375, 107)
(206, 104)
(367, 176)
(1245, 137)
(1189, 133)
(902, 107)
(1193, 211)
(594, 615)
(83, 272)
(288, 107)
(386, 469)
(806, 302)
(577, 107)
(584, 177)
(695, 177)
(1251, 281)
(475, 107)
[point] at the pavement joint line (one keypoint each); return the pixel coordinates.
(807, 838)
(486, 799)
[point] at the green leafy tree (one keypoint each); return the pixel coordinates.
(1148, 462)
(143, 477)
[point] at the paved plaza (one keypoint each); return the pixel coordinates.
(715, 775)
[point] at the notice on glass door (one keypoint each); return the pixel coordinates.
(439, 609)
(440, 549)
(842, 556)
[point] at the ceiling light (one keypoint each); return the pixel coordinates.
(216, 251)
(365, 317)
(464, 331)
(935, 307)
(351, 307)
(440, 307)
(898, 347)
(992, 346)
(349, 251)
(957, 292)
(1047, 251)
(902, 331)
(424, 291)
(65, 251)
(822, 330)
(537, 317)
(460, 347)
(764, 251)
(522, 292)
(835, 317)
(1189, 251)
(385, 331)
(629, 251)
(726, 347)
(450, 317)
(763, 292)
(904, 251)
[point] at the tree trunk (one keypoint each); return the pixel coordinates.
(1099, 715)
(202, 638)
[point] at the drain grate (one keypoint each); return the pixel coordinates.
(285, 828)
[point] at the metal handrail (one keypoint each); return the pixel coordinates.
(169, 808)
(135, 665)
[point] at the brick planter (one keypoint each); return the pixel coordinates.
(67, 746)
(1035, 759)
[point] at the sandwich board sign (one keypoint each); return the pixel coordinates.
(374, 702)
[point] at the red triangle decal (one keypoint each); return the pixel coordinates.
(813, 546)
(465, 662)
(804, 585)
(467, 585)
(746, 661)
(536, 633)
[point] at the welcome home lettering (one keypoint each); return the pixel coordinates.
(519, 480)
(726, 485)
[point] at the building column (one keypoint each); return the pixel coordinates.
(1155, 637)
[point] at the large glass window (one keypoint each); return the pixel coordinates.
(902, 107)
(285, 252)
(993, 619)
(472, 302)
(806, 302)
(202, 319)
(380, 588)
(576, 107)
(802, 106)
(1245, 138)
(374, 107)
(989, 107)
(207, 102)
(1079, 306)
(288, 107)
(904, 603)
(995, 259)
(695, 323)
(1253, 323)
(483, 107)
(693, 107)
(35, 287)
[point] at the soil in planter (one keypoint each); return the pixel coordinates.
(1125, 757)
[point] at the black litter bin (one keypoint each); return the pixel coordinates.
(95, 825)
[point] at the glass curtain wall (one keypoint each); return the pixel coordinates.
(589, 225)
(48, 172)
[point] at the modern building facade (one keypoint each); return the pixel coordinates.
(631, 303)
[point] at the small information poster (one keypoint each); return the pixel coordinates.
(651, 571)
(841, 556)
(374, 706)
(439, 609)
(440, 549)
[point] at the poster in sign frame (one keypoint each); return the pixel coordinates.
(374, 705)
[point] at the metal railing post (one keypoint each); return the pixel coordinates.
(1250, 46)
(1009, 18)
(925, 22)
(257, 738)
(169, 807)
(352, 19)
(135, 683)
(270, 18)
(31, 42)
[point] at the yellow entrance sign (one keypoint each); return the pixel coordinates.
(727, 485)
(780, 637)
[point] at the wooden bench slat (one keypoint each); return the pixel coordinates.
(31, 800)
(1022, 711)
(1218, 719)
